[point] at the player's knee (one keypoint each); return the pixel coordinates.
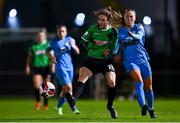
(111, 83)
(68, 89)
(84, 74)
(147, 87)
(36, 86)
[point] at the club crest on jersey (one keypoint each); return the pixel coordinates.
(100, 43)
(63, 49)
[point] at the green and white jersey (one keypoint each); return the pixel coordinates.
(100, 40)
(39, 58)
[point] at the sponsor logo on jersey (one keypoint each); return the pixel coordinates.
(40, 52)
(100, 43)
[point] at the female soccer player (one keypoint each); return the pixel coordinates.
(135, 60)
(100, 40)
(64, 71)
(40, 65)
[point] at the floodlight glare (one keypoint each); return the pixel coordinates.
(12, 13)
(147, 20)
(79, 20)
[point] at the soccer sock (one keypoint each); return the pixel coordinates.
(150, 98)
(111, 93)
(79, 89)
(140, 94)
(70, 100)
(61, 100)
(37, 95)
(45, 101)
(73, 108)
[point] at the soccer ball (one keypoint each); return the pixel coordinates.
(47, 90)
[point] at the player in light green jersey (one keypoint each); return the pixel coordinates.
(39, 65)
(101, 41)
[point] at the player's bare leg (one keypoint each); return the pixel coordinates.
(84, 75)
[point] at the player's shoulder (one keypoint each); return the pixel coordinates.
(112, 27)
(114, 30)
(69, 38)
(139, 26)
(92, 27)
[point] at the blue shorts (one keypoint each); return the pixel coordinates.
(143, 67)
(64, 77)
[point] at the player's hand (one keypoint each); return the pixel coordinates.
(129, 39)
(106, 52)
(130, 33)
(27, 70)
(53, 59)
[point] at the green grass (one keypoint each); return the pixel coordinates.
(22, 110)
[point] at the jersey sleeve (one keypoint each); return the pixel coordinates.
(49, 48)
(87, 35)
(140, 32)
(72, 41)
(114, 46)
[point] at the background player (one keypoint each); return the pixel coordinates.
(39, 65)
(64, 70)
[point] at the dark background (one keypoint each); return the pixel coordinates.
(163, 44)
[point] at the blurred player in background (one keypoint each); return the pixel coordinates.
(100, 41)
(62, 47)
(135, 60)
(39, 65)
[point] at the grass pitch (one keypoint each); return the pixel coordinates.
(22, 110)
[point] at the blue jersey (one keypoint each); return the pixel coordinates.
(62, 51)
(132, 47)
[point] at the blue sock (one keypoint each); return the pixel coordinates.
(140, 93)
(73, 108)
(61, 101)
(150, 99)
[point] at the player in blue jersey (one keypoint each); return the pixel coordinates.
(64, 71)
(135, 60)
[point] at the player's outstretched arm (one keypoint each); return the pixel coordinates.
(75, 48)
(51, 57)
